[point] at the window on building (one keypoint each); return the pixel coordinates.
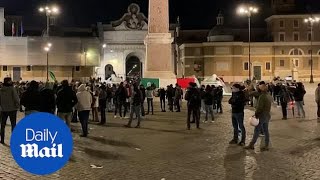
(282, 37)
(281, 24)
(309, 36)
(296, 36)
(295, 23)
(281, 63)
(296, 62)
(268, 66)
(296, 52)
(282, 51)
(28, 68)
(77, 68)
(246, 66)
(4, 68)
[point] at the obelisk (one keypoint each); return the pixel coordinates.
(159, 62)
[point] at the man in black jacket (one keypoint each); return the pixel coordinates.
(237, 102)
(66, 100)
(47, 100)
(143, 92)
(194, 102)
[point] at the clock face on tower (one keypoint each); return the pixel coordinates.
(158, 16)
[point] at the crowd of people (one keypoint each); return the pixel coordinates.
(76, 101)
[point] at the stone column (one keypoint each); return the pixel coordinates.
(2, 20)
(159, 60)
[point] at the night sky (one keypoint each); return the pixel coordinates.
(194, 14)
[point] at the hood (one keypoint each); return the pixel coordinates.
(82, 88)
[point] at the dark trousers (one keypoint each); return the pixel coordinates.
(84, 118)
(13, 119)
(142, 108)
(178, 105)
(119, 107)
(163, 104)
(284, 106)
(196, 116)
(237, 123)
(103, 115)
(150, 105)
(135, 110)
(170, 102)
(318, 112)
(278, 100)
(75, 116)
(219, 106)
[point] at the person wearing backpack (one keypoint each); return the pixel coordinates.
(194, 102)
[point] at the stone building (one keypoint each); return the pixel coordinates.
(284, 49)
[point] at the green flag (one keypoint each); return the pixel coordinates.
(52, 76)
(146, 82)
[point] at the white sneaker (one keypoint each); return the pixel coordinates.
(115, 117)
(212, 121)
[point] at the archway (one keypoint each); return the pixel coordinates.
(108, 71)
(133, 67)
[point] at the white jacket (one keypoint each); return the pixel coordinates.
(84, 99)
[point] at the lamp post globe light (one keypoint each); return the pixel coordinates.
(311, 21)
(49, 11)
(47, 49)
(248, 10)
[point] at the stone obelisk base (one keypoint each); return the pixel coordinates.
(159, 56)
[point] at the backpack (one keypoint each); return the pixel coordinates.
(195, 99)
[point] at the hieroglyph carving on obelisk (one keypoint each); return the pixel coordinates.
(158, 42)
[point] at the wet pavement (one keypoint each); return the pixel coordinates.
(164, 149)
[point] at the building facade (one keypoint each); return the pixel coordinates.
(286, 52)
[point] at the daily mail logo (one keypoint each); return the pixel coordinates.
(41, 144)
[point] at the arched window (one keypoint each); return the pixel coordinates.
(296, 52)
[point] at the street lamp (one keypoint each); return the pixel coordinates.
(49, 11)
(311, 20)
(249, 11)
(47, 49)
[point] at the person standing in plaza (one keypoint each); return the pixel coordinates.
(219, 97)
(9, 103)
(103, 96)
(66, 100)
(170, 95)
(317, 96)
(298, 95)
(162, 95)
(84, 106)
(120, 96)
(284, 100)
(143, 92)
(150, 95)
(208, 101)
(237, 102)
(194, 102)
(31, 99)
(136, 101)
(263, 114)
(178, 97)
(95, 105)
(47, 100)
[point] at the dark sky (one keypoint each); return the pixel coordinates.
(194, 14)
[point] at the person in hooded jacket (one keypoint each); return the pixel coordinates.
(135, 106)
(298, 95)
(31, 99)
(237, 102)
(9, 103)
(208, 101)
(47, 100)
(194, 103)
(66, 100)
(84, 106)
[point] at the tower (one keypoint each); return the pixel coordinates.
(283, 6)
(159, 61)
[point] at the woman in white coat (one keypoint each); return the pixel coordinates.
(84, 107)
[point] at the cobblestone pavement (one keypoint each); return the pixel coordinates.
(164, 149)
